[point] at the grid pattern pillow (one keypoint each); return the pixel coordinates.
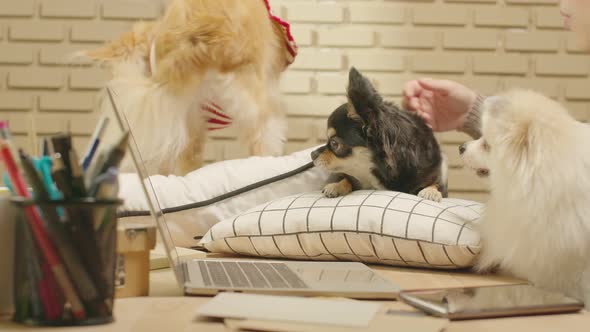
(381, 227)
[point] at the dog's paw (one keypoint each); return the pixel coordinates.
(332, 190)
(430, 193)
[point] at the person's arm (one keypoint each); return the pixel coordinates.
(472, 123)
(445, 105)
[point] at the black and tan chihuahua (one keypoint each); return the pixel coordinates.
(373, 144)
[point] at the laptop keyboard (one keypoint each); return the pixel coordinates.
(249, 275)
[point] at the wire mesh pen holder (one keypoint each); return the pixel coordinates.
(76, 285)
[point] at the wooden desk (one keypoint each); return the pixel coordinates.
(167, 310)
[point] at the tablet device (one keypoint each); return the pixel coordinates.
(490, 302)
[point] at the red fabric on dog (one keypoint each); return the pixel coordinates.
(289, 40)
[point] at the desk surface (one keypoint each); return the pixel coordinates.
(167, 310)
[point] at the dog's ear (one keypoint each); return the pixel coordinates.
(363, 98)
(495, 105)
(508, 128)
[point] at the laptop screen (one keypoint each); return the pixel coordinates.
(147, 187)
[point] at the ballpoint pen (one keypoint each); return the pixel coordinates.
(95, 141)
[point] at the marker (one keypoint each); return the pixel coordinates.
(103, 122)
(45, 147)
(62, 144)
(115, 155)
(40, 234)
(59, 174)
(77, 178)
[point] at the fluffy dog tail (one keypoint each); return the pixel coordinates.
(134, 43)
(201, 43)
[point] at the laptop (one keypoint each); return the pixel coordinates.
(211, 276)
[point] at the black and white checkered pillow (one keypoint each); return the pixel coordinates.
(382, 227)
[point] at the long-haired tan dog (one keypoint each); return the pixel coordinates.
(204, 65)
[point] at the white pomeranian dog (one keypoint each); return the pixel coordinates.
(536, 225)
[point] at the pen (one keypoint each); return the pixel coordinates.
(40, 234)
(95, 141)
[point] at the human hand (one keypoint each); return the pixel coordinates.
(442, 104)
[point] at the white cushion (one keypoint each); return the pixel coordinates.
(383, 227)
(187, 200)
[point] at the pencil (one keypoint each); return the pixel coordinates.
(40, 234)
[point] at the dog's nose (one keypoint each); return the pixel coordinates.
(314, 154)
(462, 148)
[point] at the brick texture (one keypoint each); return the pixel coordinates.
(68, 9)
(489, 45)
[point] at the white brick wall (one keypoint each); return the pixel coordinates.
(487, 44)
